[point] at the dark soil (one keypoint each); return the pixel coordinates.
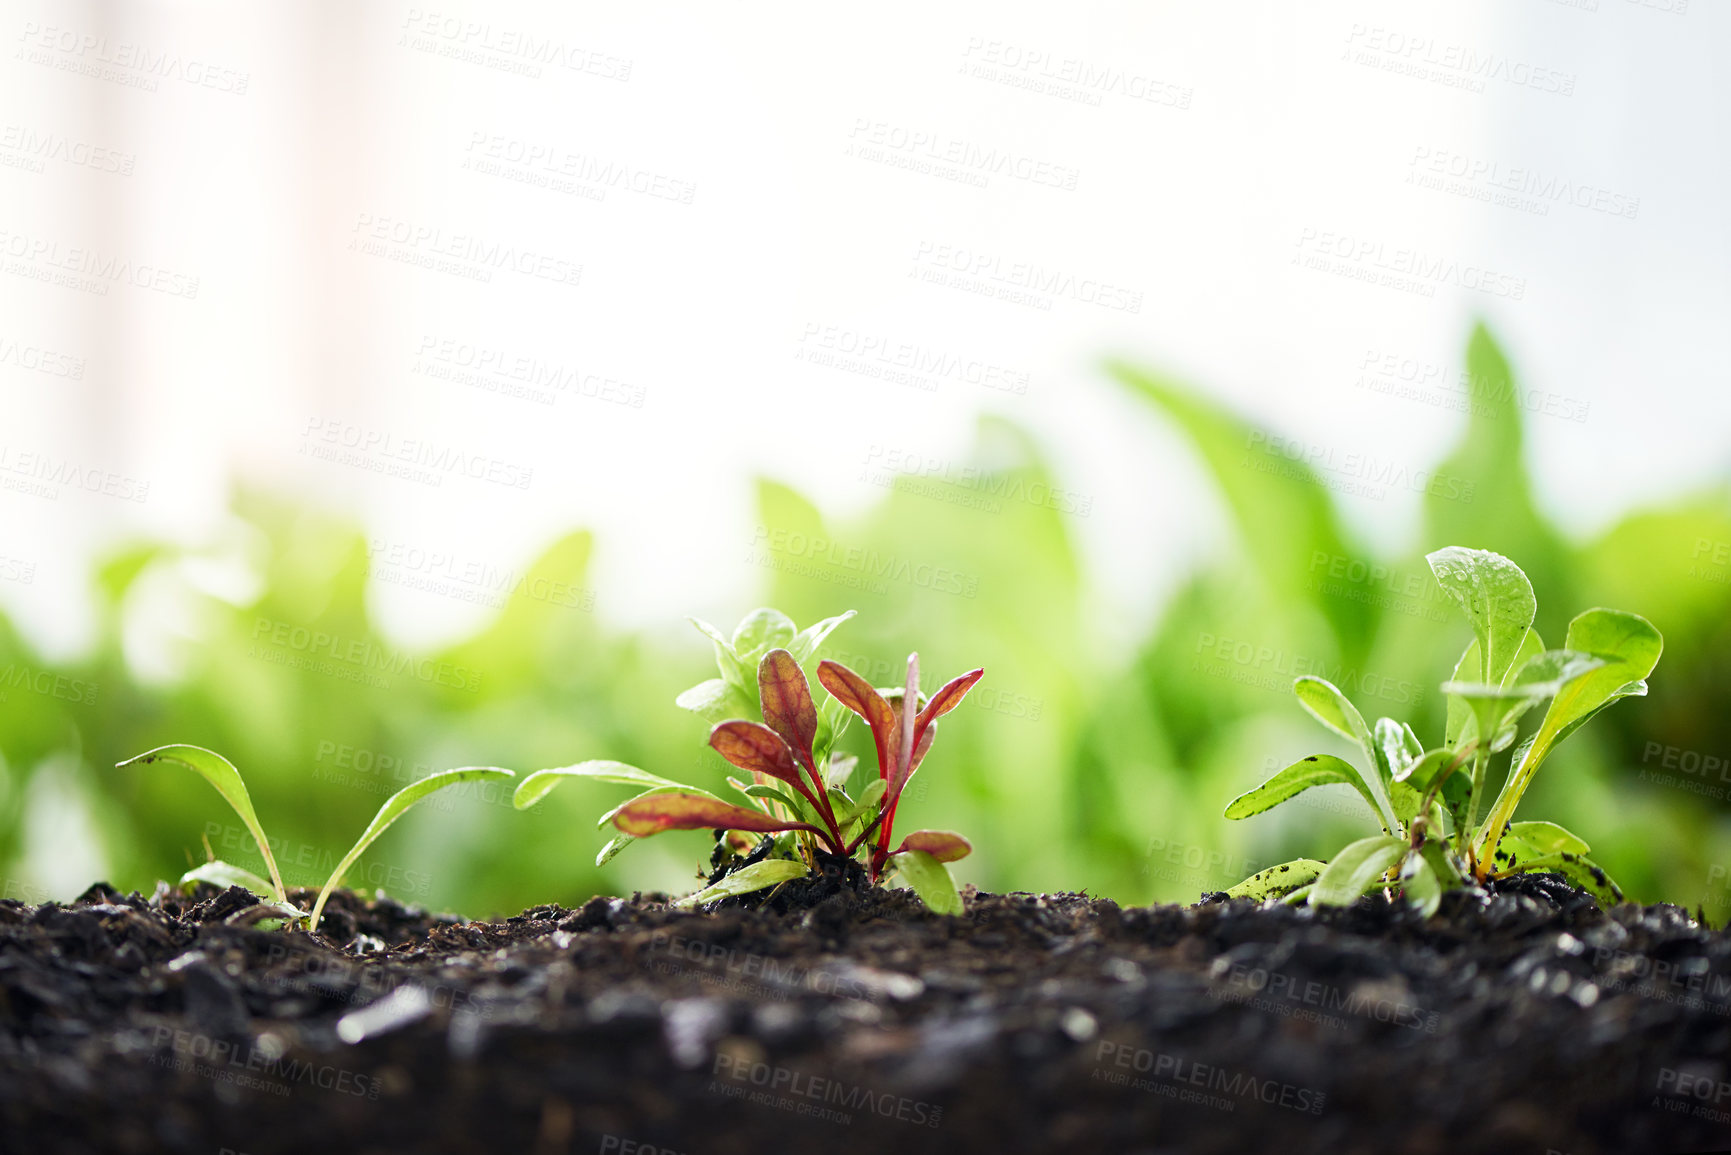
(1528, 1021)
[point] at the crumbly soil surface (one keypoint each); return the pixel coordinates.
(837, 1021)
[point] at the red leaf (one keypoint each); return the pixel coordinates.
(758, 748)
(947, 698)
(857, 694)
(787, 706)
(660, 812)
(943, 845)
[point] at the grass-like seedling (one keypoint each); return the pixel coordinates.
(1427, 801)
(766, 722)
(221, 773)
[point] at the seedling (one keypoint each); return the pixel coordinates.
(221, 773)
(767, 723)
(1427, 801)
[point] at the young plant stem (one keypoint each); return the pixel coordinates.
(1481, 757)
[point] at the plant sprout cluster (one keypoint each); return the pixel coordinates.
(798, 817)
(1428, 800)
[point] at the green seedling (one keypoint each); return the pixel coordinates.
(799, 816)
(1427, 801)
(221, 773)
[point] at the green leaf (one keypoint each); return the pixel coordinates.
(1357, 868)
(714, 701)
(394, 808)
(761, 631)
(1391, 740)
(841, 768)
(220, 773)
(1548, 838)
(1515, 856)
(1629, 647)
(1497, 599)
(225, 874)
(539, 784)
(1420, 885)
(1316, 770)
(809, 639)
(734, 670)
(1329, 706)
(869, 798)
(617, 843)
(758, 876)
(1278, 881)
(931, 881)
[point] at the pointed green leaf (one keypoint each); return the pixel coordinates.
(614, 845)
(806, 644)
(868, 800)
(224, 874)
(1391, 739)
(1324, 701)
(539, 784)
(931, 881)
(1316, 770)
(220, 773)
(734, 669)
(762, 630)
(394, 808)
(1278, 881)
(1357, 868)
(1420, 885)
(758, 876)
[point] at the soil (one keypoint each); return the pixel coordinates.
(837, 1020)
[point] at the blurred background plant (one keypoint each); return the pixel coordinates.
(1072, 767)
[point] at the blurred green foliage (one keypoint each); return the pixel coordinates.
(1068, 768)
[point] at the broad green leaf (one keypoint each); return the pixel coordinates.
(1391, 739)
(931, 881)
(614, 845)
(809, 639)
(1316, 770)
(1356, 869)
(869, 798)
(225, 875)
(942, 845)
(393, 809)
(539, 784)
(714, 701)
(745, 880)
(1420, 885)
(1629, 647)
(1278, 881)
(1548, 838)
(1497, 599)
(762, 630)
(1328, 705)
(734, 669)
(220, 773)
